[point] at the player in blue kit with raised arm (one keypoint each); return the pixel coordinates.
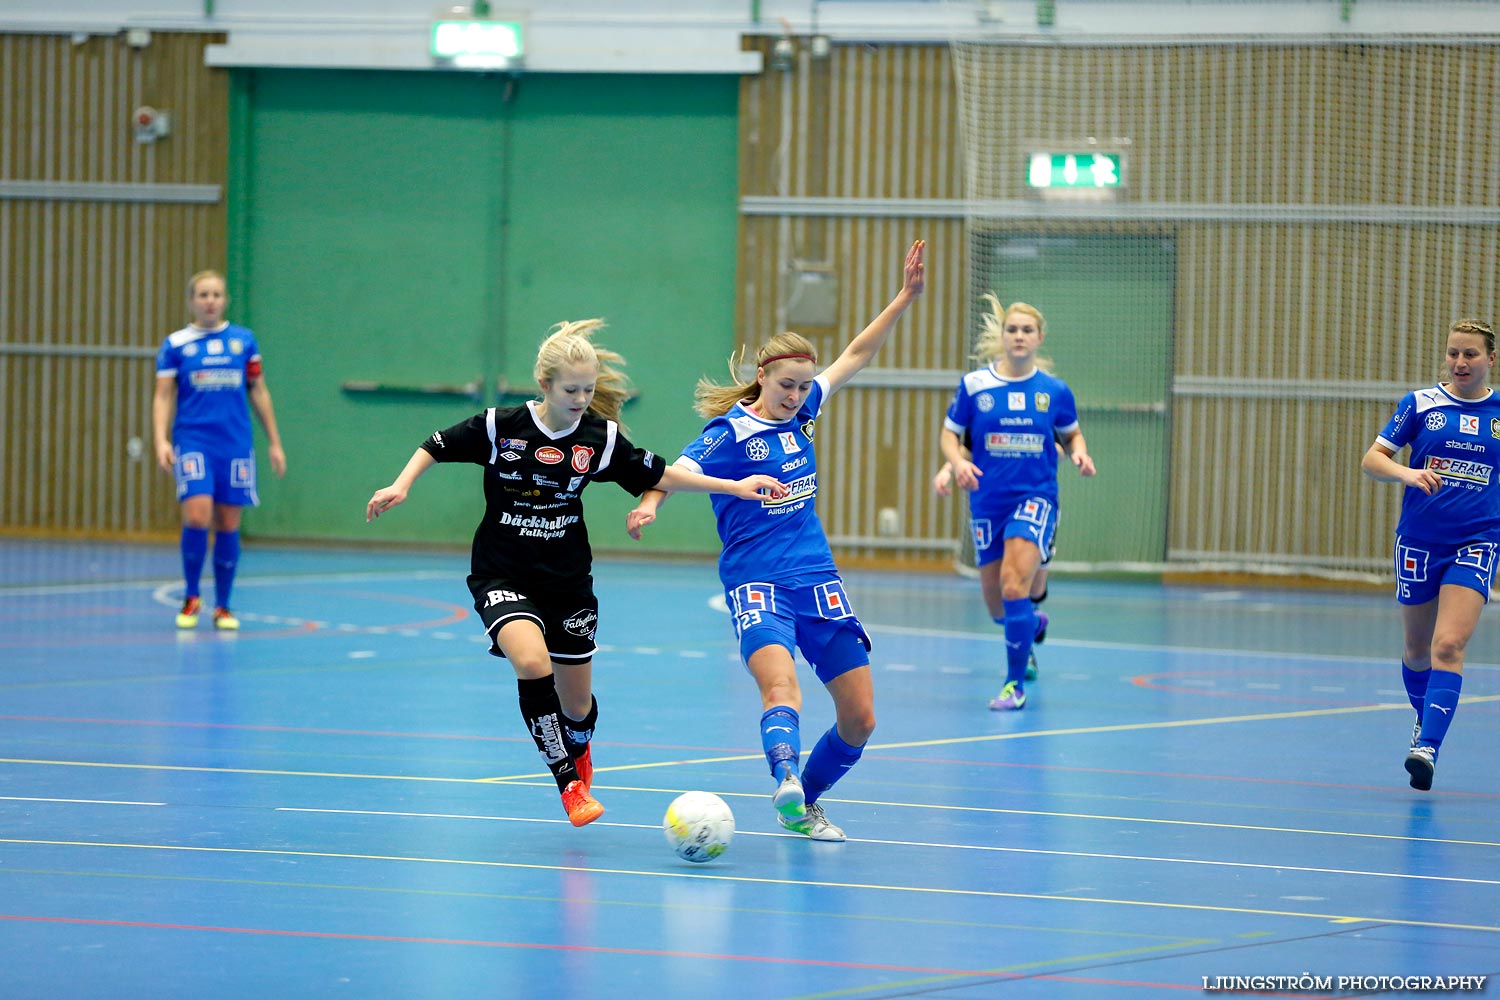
(780, 580)
(1015, 415)
(205, 374)
(1448, 531)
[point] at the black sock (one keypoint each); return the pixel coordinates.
(578, 733)
(543, 714)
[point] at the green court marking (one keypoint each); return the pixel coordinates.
(1341, 918)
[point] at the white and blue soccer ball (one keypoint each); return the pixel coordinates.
(699, 826)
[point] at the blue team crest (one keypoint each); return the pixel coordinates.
(985, 402)
(190, 350)
(1436, 420)
(757, 450)
(1043, 400)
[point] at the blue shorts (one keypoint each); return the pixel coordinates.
(229, 479)
(1034, 519)
(817, 619)
(1422, 567)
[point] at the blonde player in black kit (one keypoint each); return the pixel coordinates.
(531, 559)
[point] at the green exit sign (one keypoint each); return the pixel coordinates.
(476, 44)
(1074, 170)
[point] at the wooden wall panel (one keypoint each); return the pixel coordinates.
(1334, 208)
(93, 275)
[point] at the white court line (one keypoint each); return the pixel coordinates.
(937, 846)
(42, 590)
(87, 802)
(160, 591)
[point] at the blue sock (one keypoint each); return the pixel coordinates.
(1020, 630)
(781, 737)
(1416, 686)
(1442, 701)
(827, 763)
(194, 547)
(226, 558)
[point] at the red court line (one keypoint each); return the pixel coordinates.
(593, 950)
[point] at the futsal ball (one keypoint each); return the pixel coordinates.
(698, 825)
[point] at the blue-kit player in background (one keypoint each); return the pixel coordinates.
(205, 375)
(780, 581)
(530, 564)
(1015, 414)
(1448, 530)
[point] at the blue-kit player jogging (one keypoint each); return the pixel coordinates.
(1015, 415)
(1448, 529)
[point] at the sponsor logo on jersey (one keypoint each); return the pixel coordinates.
(216, 378)
(1436, 420)
(494, 597)
(1464, 445)
(1043, 400)
(548, 455)
(1468, 423)
(711, 442)
(999, 442)
(807, 429)
(797, 489)
(437, 439)
(1015, 400)
(789, 442)
(582, 624)
(757, 450)
(507, 475)
(1495, 427)
(985, 402)
(546, 481)
(514, 444)
(574, 483)
(795, 463)
(1461, 469)
(215, 346)
(582, 455)
(510, 456)
(539, 523)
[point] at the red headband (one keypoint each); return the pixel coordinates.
(783, 357)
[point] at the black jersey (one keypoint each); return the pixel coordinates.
(533, 529)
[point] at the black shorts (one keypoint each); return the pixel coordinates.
(568, 618)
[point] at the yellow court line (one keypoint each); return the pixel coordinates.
(1123, 727)
(1341, 918)
(949, 741)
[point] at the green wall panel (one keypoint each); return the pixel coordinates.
(418, 229)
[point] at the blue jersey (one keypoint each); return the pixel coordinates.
(1459, 439)
(766, 541)
(1012, 425)
(211, 371)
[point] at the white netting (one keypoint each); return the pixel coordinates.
(1295, 228)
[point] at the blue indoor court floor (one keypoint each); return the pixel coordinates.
(341, 800)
